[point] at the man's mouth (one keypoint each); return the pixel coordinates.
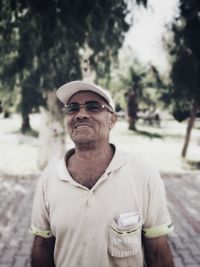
(82, 126)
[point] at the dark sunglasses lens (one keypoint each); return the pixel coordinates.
(72, 108)
(93, 107)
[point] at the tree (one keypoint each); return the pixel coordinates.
(41, 43)
(40, 49)
(139, 85)
(135, 92)
(185, 72)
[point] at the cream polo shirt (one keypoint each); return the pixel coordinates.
(84, 222)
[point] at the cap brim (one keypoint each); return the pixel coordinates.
(65, 92)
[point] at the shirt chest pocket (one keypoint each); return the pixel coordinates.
(124, 242)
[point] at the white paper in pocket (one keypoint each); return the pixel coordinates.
(126, 219)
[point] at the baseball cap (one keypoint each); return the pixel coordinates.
(65, 92)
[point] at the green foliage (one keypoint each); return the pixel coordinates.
(41, 41)
(142, 80)
(185, 59)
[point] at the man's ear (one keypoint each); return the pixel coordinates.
(113, 120)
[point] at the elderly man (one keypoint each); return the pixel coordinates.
(97, 206)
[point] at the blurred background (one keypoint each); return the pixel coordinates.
(145, 52)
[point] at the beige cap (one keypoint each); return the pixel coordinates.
(65, 92)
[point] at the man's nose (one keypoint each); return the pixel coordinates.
(82, 112)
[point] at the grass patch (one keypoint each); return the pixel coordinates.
(193, 164)
(150, 135)
(175, 136)
(29, 132)
(32, 132)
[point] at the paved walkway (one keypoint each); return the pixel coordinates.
(183, 192)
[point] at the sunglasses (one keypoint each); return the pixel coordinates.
(90, 107)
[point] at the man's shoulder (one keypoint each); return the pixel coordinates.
(138, 166)
(52, 169)
(135, 159)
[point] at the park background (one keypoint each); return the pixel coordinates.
(147, 54)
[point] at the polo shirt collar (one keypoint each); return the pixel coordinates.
(62, 171)
(118, 160)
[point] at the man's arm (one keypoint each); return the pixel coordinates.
(42, 252)
(157, 252)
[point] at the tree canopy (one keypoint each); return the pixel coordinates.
(41, 41)
(185, 58)
(186, 53)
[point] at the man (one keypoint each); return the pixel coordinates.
(97, 206)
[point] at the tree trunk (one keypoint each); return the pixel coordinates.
(132, 109)
(132, 123)
(52, 132)
(25, 123)
(189, 128)
(6, 114)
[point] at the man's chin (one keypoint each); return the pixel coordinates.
(82, 140)
(85, 145)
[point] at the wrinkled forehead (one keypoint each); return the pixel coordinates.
(84, 96)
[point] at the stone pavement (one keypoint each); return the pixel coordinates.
(183, 193)
(16, 194)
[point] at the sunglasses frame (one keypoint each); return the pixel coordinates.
(101, 107)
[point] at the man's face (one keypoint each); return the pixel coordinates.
(87, 127)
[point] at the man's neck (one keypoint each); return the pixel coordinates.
(87, 165)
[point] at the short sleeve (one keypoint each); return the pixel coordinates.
(157, 221)
(40, 215)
